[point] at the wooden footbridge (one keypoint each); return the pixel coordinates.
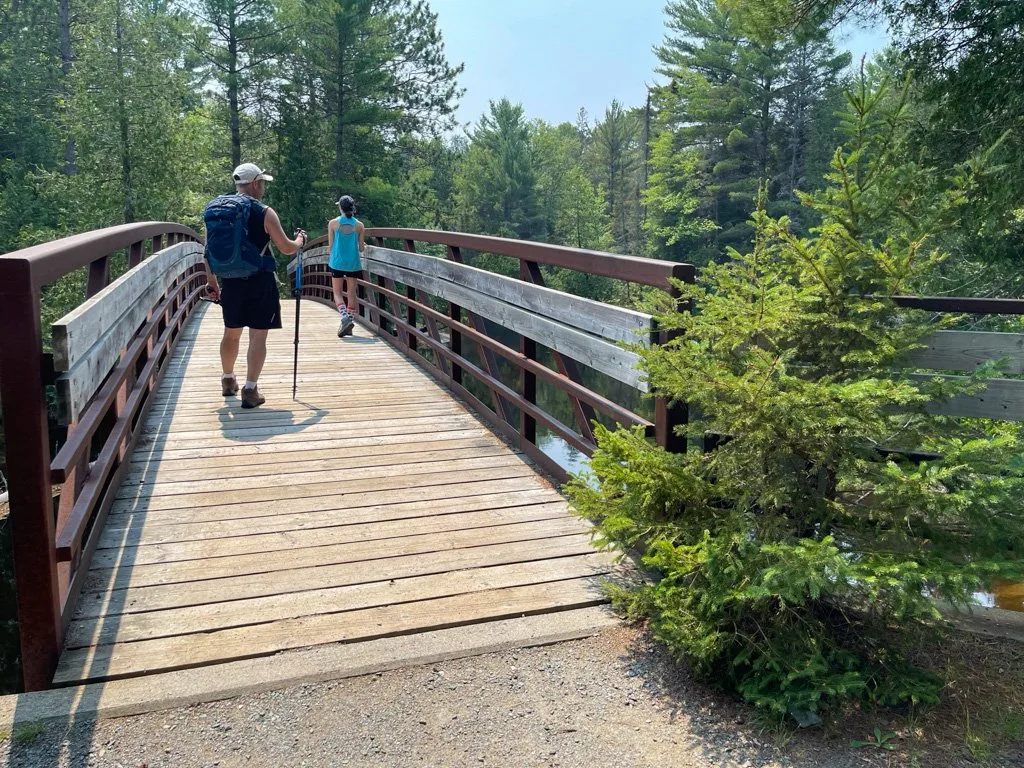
(169, 546)
(399, 510)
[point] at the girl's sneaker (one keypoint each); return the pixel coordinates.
(347, 326)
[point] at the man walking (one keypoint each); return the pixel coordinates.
(247, 289)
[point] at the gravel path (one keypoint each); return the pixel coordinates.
(611, 700)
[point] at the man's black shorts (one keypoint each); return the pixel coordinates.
(251, 302)
(356, 273)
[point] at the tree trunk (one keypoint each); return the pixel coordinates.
(66, 57)
(339, 131)
(236, 135)
(766, 124)
(122, 118)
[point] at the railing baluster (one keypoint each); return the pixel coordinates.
(527, 379)
(410, 310)
(158, 243)
(135, 255)
(99, 276)
(455, 342)
(669, 416)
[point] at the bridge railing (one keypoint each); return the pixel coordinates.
(580, 333)
(107, 359)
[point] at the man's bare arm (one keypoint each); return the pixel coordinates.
(272, 226)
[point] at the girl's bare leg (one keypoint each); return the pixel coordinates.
(338, 284)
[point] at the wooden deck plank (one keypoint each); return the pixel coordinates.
(132, 532)
(317, 461)
(286, 433)
(279, 493)
(107, 662)
(213, 617)
(286, 541)
(335, 500)
(220, 454)
(146, 599)
(128, 575)
(402, 464)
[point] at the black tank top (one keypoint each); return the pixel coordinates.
(258, 234)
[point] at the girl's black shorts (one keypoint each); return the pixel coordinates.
(356, 273)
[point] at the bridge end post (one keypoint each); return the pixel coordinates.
(22, 399)
(668, 415)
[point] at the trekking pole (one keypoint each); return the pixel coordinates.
(298, 304)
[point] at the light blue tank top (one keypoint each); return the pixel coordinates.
(345, 251)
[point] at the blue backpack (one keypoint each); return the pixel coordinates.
(229, 251)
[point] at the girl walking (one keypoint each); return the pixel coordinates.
(345, 239)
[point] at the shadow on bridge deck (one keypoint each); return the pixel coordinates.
(372, 524)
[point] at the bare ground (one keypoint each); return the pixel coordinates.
(612, 700)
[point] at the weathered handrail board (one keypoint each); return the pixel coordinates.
(88, 341)
(967, 350)
(77, 332)
(619, 363)
(1002, 399)
(605, 320)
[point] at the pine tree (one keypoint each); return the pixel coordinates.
(240, 40)
(497, 181)
(745, 106)
(796, 559)
(617, 158)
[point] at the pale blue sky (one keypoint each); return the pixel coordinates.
(555, 56)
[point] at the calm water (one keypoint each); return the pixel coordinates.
(1006, 595)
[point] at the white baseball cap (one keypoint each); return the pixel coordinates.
(247, 173)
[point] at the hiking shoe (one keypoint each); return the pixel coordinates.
(347, 326)
(251, 398)
(229, 385)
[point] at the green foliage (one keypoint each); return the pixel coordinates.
(880, 741)
(496, 185)
(738, 116)
(28, 733)
(796, 560)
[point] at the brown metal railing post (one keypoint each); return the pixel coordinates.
(135, 255)
(99, 276)
(381, 322)
(669, 416)
(455, 313)
(410, 291)
(527, 379)
(31, 503)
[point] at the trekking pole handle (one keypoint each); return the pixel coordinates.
(298, 273)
